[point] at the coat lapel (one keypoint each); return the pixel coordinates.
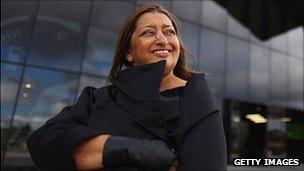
(138, 94)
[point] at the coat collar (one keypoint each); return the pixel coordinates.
(141, 83)
(138, 93)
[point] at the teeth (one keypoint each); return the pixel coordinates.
(161, 51)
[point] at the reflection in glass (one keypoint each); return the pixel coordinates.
(212, 56)
(10, 75)
(187, 9)
(43, 95)
(279, 136)
(110, 15)
(90, 81)
(275, 135)
(99, 52)
(259, 74)
(58, 37)
(16, 22)
(237, 69)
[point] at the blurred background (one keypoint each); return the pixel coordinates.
(252, 52)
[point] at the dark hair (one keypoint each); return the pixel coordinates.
(123, 43)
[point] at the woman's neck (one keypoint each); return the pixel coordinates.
(170, 81)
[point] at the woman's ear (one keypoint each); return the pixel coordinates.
(129, 57)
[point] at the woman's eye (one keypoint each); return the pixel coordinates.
(170, 32)
(148, 32)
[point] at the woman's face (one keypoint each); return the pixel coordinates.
(154, 39)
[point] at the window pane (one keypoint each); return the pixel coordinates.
(16, 22)
(237, 66)
(212, 56)
(187, 9)
(10, 75)
(214, 15)
(296, 83)
(43, 95)
(164, 3)
(259, 74)
(190, 37)
(278, 79)
(58, 35)
(236, 28)
(110, 15)
(278, 42)
(295, 41)
(90, 81)
(100, 51)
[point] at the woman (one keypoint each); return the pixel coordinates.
(155, 114)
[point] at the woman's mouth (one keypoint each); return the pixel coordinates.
(162, 53)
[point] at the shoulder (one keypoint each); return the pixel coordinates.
(95, 97)
(199, 98)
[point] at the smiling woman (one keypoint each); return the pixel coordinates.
(154, 39)
(154, 115)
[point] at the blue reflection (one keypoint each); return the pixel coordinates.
(10, 75)
(48, 93)
(55, 44)
(15, 33)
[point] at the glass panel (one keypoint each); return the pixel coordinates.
(214, 15)
(295, 41)
(259, 74)
(275, 133)
(110, 15)
(187, 9)
(43, 95)
(278, 79)
(164, 3)
(247, 134)
(90, 81)
(16, 23)
(10, 75)
(58, 36)
(237, 69)
(236, 28)
(100, 51)
(190, 36)
(296, 83)
(278, 42)
(212, 56)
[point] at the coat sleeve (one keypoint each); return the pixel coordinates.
(204, 147)
(51, 145)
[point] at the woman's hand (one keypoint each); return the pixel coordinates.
(141, 153)
(88, 153)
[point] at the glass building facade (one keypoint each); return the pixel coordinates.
(51, 50)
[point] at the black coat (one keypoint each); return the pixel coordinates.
(131, 107)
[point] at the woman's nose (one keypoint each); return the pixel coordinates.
(161, 39)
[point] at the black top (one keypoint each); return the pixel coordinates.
(170, 100)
